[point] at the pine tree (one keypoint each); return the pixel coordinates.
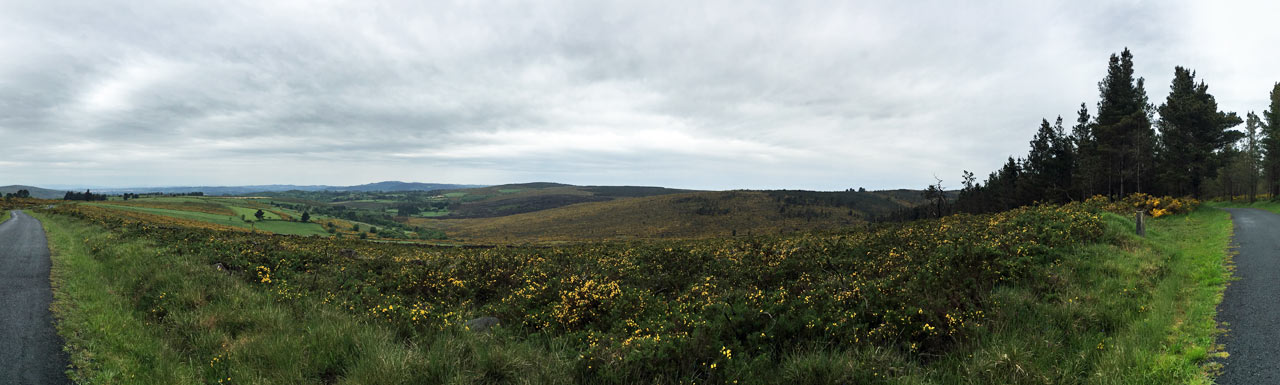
(1122, 131)
(1047, 170)
(1088, 170)
(1253, 151)
(1193, 135)
(1038, 164)
(1271, 143)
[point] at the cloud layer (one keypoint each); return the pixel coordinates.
(720, 95)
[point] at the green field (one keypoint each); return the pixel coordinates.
(274, 226)
(248, 213)
(433, 214)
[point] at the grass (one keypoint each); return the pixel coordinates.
(134, 313)
(248, 213)
(1129, 311)
(5, 216)
(433, 214)
(1264, 204)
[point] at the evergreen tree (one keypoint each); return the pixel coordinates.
(1088, 172)
(1038, 163)
(1047, 170)
(1122, 132)
(1005, 185)
(1253, 152)
(1194, 135)
(1270, 140)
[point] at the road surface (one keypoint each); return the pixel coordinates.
(1251, 305)
(30, 348)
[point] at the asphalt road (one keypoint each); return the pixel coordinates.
(30, 349)
(1251, 305)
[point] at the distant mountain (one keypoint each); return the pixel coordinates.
(242, 190)
(403, 186)
(36, 192)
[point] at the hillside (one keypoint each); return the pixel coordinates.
(474, 202)
(252, 189)
(511, 199)
(684, 215)
(36, 192)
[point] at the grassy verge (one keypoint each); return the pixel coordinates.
(4, 216)
(1272, 206)
(1126, 311)
(135, 313)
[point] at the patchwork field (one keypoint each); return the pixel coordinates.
(220, 211)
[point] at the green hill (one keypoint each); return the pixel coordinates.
(36, 192)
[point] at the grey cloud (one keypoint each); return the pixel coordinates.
(806, 94)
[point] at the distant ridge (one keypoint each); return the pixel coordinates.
(242, 190)
(36, 192)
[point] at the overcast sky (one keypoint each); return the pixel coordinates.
(820, 95)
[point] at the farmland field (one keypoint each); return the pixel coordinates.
(248, 213)
(272, 224)
(1024, 292)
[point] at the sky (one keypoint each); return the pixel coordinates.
(819, 95)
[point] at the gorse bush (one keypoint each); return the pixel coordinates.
(708, 310)
(1151, 205)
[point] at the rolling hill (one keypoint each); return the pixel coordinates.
(251, 189)
(36, 192)
(682, 215)
(511, 199)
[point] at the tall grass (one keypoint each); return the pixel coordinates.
(133, 314)
(1127, 311)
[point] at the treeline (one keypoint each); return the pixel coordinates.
(1123, 149)
(160, 194)
(84, 196)
(18, 194)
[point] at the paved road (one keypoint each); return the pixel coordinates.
(1251, 305)
(30, 349)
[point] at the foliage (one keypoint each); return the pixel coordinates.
(1150, 205)
(1270, 142)
(1193, 135)
(22, 193)
(84, 196)
(13, 203)
(1123, 139)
